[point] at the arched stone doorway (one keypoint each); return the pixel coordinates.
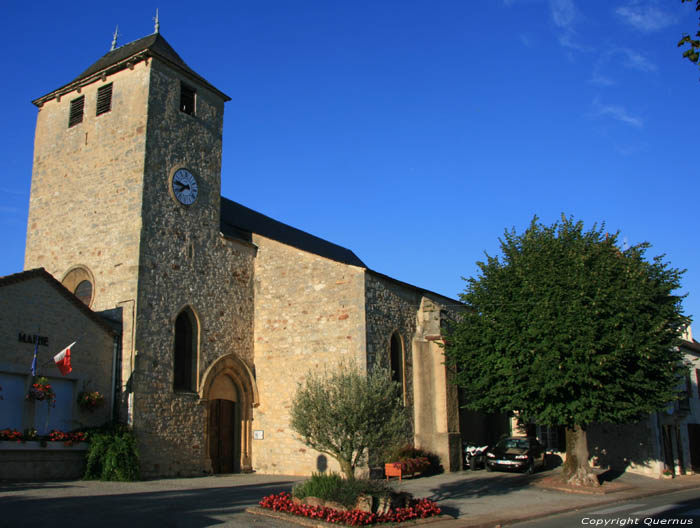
(229, 392)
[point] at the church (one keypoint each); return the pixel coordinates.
(220, 311)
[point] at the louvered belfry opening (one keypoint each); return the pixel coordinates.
(187, 96)
(104, 99)
(76, 111)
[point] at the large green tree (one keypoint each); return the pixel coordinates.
(346, 413)
(569, 327)
(692, 53)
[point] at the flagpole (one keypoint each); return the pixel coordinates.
(36, 352)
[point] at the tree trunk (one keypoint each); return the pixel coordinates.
(346, 468)
(576, 470)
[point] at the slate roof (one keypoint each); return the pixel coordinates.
(152, 45)
(240, 222)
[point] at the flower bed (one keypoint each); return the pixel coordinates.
(406, 467)
(26, 456)
(417, 509)
(30, 435)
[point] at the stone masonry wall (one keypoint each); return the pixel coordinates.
(34, 305)
(418, 317)
(87, 180)
(391, 307)
(309, 314)
(185, 261)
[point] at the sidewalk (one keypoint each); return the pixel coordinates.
(482, 499)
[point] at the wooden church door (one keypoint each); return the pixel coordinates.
(224, 436)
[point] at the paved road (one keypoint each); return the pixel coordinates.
(171, 503)
(474, 498)
(681, 508)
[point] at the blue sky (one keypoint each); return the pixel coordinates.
(412, 132)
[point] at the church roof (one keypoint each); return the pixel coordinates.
(151, 46)
(240, 222)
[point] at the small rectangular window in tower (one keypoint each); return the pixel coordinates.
(104, 99)
(76, 111)
(187, 99)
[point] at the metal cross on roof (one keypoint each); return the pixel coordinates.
(114, 39)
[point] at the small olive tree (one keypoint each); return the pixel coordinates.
(347, 413)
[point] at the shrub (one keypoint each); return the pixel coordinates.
(333, 487)
(112, 455)
(348, 413)
(408, 454)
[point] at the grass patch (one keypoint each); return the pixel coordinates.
(333, 487)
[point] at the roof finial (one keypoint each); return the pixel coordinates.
(114, 39)
(157, 29)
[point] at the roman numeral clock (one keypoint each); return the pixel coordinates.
(184, 186)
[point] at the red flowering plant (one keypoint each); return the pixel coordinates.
(417, 509)
(41, 391)
(89, 401)
(11, 435)
(68, 439)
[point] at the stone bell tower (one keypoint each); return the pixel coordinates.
(124, 210)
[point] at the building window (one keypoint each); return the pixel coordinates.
(80, 283)
(697, 380)
(76, 111)
(104, 99)
(187, 99)
(185, 354)
(83, 291)
(396, 361)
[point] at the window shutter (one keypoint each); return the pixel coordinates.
(104, 99)
(76, 111)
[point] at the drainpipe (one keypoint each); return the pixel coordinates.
(115, 350)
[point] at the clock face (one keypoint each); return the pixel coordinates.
(184, 187)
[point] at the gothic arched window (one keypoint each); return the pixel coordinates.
(185, 353)
(396, 361)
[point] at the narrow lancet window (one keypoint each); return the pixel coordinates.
(185, 354)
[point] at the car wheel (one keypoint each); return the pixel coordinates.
(530, 467)
(488, 468)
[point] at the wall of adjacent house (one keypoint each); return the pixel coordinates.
(33, 306)
(690, 440)
(639, 447)
(309, 315)
(628, 447)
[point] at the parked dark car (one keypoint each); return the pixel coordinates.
(523, 453)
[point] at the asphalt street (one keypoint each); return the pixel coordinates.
(681, 508)
(171, 503)
(474, 499)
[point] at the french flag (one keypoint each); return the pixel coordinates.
(62, 360)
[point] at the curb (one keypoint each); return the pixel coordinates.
(313, 523)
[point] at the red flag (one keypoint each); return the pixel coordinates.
(62, 360)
